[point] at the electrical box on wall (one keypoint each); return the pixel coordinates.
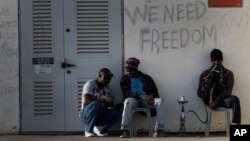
(225, 3)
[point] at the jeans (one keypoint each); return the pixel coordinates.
(132, 103)
(94, 114)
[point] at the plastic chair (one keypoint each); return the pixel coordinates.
(227, 119)
(133, 128)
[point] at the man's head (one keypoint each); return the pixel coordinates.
(104, 76)
(216, 58)
(216, 55)
(132, 66)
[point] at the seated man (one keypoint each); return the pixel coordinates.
(139, 90)
(216, 85)
(96, 100)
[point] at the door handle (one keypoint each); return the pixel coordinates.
(70, 65)
(64, 64)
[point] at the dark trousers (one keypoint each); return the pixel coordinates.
(232, 102)
(214, 88)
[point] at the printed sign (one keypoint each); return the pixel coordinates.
(43, 69)
(43, 66)
(43, 60)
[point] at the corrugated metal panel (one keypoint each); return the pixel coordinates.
(42, 27)
(43, 98)
(92, 27)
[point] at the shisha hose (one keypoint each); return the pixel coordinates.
(198, 116)
(203, 99)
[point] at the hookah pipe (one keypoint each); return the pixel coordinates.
(181, 102)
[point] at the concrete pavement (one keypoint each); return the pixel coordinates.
(170, 137)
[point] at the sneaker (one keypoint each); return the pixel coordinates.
(98, 133)
(159, 134)
(125, 134)
(87, 134)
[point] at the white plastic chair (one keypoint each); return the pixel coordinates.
(133, 128)
(227, 119)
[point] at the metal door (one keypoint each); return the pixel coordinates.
(92, 41)
(84, 34)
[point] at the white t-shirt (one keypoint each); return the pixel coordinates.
(91, 87)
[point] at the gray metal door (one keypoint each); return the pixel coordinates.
(86, 35)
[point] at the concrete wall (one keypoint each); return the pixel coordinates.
(9, 76)
(173, 39)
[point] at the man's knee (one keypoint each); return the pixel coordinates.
(94, 105)
(159, 101)
(235, 98)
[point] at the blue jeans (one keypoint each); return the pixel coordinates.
(94, 114)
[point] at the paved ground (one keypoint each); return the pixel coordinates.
(78, 137)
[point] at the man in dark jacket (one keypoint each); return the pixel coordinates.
(216, 85)
(139, 90)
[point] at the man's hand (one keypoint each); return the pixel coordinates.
(107, 99)
(88, 98)
(205, 80)
(148, 98)
(213, 105)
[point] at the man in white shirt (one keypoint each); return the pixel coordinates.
(96, 111)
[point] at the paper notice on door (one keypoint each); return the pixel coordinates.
(43, 69)
(43, 65)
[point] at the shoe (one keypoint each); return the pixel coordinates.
(87, 134)
(98, 133)
(159, 134)
(125, 134)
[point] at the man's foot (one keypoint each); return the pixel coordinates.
(87, 134)
(98, 133)
(159, 134)
(125, 134)
(234, 123)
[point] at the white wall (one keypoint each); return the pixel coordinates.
(9, 87)
(173, 39)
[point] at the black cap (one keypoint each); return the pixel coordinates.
(216, 55)
(106, 72)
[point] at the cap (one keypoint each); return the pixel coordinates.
(132, 63)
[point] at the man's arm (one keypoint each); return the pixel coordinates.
(87, 98)
(107, 98)
(150, 89)
(126, 92)
(228, 86)
(87, 92)
(201, 86)
(154, 91)
(107, 101)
